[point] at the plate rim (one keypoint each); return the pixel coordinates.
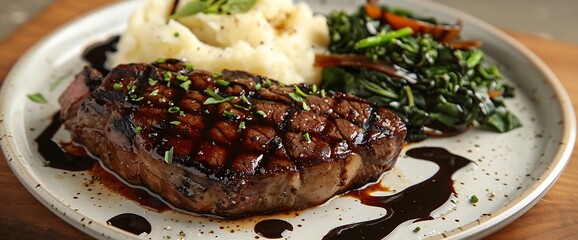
(487, 226)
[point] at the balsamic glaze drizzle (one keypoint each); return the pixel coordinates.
(131, 223)
(415, 203)
(96, 54)
(53, 153)
(272, 228)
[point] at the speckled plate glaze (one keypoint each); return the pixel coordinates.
(514, 170)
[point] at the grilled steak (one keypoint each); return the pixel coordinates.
(229, 144)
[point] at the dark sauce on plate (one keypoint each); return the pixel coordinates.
(95, 54)
(415, 203)
(54, 154)
(131, 222)
(69, 157)
(272, 228)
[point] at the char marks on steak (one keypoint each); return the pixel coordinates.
(254, 146)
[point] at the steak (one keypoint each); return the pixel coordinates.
(229, 144)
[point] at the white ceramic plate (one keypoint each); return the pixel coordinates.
(517, 167)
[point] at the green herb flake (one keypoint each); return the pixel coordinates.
(137, 129)
(268, 83)
(181, 113)
(167, 76)
(416, 229)
(262, 114)
(474, 199)
(307, 137)
(257, 86)
(175, 122)
(241, 126)
(169, 155)
(186, 85)
(177, 34)
(222, 83)
(229, 113)
(46, 163)
(138, 99)
(154, 93)
(241, 107)
(161, 60)
(306, 107)
(58, 81)
(314, 89)
(37, 98)
(174, 109)
(152, 82)
(213, 100)
(117, 86)
(323, 93)
(245, 100)
(295, 97)
(189, 66)
(216, 75)
(300, 92)
(213, 94)
(182, 78)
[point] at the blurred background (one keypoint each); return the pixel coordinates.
(555, 19)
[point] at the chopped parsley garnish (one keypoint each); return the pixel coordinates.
(257, 86)
(263, 114)
(152, 82)
(186, 85)
(268, 83)
(46, 163)
(37, 98)
(223, 83)
(137, 129)
(306, 107)
(323, 94)
(245, 100)
(177, 34)
(175, 122)
(295, 97)
(314, 89)
(182, 77)
(241, 126)
(416, 229)
(216, 75)
(138, 99)
(154, 93)
(307, 137)
(300, 92)
(161, 60)
(229, 113)
(57, 82)
(474, 199)
(241, 107)
(167, 76)
(188, 66)
(117, 86)
(174, 109)
(216, 98)
(169, 155)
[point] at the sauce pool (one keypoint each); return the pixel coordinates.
(414, 203)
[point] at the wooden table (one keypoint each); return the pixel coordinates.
(23, 217)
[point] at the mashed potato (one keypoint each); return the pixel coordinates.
(276, 38)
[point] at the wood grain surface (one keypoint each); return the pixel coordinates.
(23, 217)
